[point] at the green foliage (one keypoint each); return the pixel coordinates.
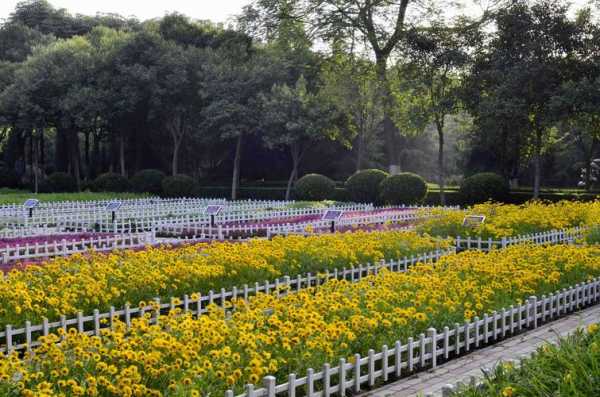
(483, 187)
(149, 181)
(593, 235)
(179, 186)
(60, 182)
(8, 177)
(363, 186)
(314, 187)
(111, 182)
(405, 188)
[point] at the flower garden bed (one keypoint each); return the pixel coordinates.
(227, 349)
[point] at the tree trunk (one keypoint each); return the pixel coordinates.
(537, 164)
(35, 155)
(389, 129)
(441, 164)
(87, 154)
(74, 158)
(235, 180)
(122, 155)
(175, 160)
(360, 155)
(42, 150)
(296, 156)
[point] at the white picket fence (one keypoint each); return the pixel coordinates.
(26, 337)
(549, 237)
(69, 247)
(427, 350)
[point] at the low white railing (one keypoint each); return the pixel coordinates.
(26, 337)
(549, 237)
(427, 350)
(66, 247)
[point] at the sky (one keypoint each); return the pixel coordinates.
(215, 10)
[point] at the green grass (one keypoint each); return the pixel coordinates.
(12, 196)
(570, 369)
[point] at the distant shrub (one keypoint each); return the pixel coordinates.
(483, 187)
(179, 186)
(314, 187)
(363, 186)
(404, 188)
(60, 182)
(147, 181)
(111, 182)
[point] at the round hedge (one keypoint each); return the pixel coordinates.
(8, 178)
(178, 186)
(60, 182)
(314, 187)
(483, 187)
(363, 186)
(403, 188)
(148, 181)
(111, 182)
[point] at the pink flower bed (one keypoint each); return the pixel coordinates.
(22, 241)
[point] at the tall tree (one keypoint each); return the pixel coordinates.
(382, 24)
(521, 69)
(430, 82)
(296, 119)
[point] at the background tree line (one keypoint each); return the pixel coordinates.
(297, 86)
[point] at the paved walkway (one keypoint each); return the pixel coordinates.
(465, 368)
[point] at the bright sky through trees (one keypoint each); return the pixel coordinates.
(215, 10)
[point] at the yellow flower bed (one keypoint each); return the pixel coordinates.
(504, 220)
(86, 282)
(184, 356)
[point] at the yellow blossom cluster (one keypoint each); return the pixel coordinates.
(64, 286)
(228, 348)
(503, 220)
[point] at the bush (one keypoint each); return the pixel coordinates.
(147, 181)
(314, 187)
(363, 186)
(8, 178)
(59, 182)
(404, 188)
(179, 186)
(482, 187)
(111, 182)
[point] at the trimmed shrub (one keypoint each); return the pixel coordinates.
(111, 182)
(147, 181)
(179, 186)
(363, 186)
(403, 188)
(59, 182)
(8, 178)
(483, 187)
(314, 187)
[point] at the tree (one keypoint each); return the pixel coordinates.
(295, 119)
(381, 24)
(234, 76)
(519, 71)
(429, 83)
(350, 81)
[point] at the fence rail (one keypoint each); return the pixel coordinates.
(549, 237)
(69, 247)
(26, 337)
(427, 350)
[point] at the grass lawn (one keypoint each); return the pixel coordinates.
(12, 196)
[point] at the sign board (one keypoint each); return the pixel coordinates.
(213, 209)
(31, 204)
(473, 220)
(113, 205)
(332, 215)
